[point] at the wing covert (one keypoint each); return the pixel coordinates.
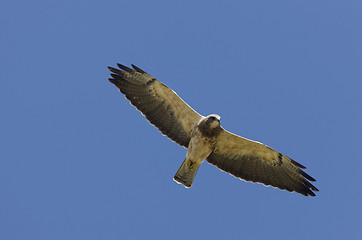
(159, 104)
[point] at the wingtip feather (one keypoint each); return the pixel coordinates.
(298, 164)
(137, 69)
(304, 174)
(116, 71)
(112, 80)
(115, 76)
(127, 69)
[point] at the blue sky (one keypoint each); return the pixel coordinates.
(77, 161)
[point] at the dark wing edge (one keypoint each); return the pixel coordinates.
(280, 172)
(162, 107)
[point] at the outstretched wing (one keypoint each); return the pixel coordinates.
(256, 162)
(160, 105)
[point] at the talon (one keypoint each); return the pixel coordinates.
(191, 164)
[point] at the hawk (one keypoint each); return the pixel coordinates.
(205, 139)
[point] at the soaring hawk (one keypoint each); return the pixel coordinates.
(205, 139)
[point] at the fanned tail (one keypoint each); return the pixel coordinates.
(186, 173)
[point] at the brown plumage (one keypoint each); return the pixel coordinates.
(256, 162)
(153, 99)
(206, 139)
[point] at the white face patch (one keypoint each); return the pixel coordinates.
(214, 124)
(215, 116)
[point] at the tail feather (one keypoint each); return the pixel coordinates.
(186, 173)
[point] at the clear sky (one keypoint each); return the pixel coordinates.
(77, 161)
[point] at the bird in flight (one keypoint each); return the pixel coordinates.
(205, 139)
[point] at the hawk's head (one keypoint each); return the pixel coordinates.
(210, 126)
(213, 121)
